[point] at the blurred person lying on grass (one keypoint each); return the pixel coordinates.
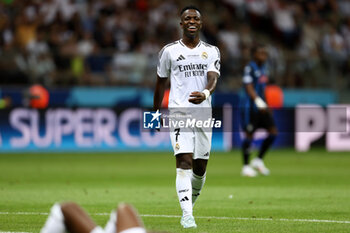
(70, 217)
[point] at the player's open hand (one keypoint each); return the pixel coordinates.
(196, 97)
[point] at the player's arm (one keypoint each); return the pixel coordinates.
(159, 93)
(163, 72)
(249, 88)
(259, 102)
(198, 97)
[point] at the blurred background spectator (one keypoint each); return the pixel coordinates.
(60, 43)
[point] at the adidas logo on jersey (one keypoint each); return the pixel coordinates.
(180, 58)
(184, 199)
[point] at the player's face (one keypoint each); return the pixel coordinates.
(191, 23)
(261, 55)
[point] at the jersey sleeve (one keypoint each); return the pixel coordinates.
(214, 65)
(247, 77)
(164, 64)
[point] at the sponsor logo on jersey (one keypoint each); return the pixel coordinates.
(192, 66)
(193, 69)
(184, 199)
(180, 58)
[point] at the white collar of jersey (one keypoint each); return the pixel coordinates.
(199, 43)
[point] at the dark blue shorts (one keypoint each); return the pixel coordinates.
(253, 120)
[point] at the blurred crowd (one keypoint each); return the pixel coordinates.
(116, 42)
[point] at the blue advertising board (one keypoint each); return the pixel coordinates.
(106, 129)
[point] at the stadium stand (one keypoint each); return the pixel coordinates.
(115, 42)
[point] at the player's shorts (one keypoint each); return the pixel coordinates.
(192, 140)
(253, 120)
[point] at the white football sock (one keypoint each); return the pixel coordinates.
(184, 190)
(111, 226)
(55, 221)
(197, 185)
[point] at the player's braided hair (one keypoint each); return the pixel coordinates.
(190, 7)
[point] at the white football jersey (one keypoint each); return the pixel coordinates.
(187, 69)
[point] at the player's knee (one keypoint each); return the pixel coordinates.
(184, 164)
(124, 207)
(184, 161)
(199, 171)
(200, 167)
(68, 207)
(128, 217)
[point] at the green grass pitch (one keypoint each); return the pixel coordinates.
(302, 187)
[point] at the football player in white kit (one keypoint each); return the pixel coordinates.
(193, 67)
